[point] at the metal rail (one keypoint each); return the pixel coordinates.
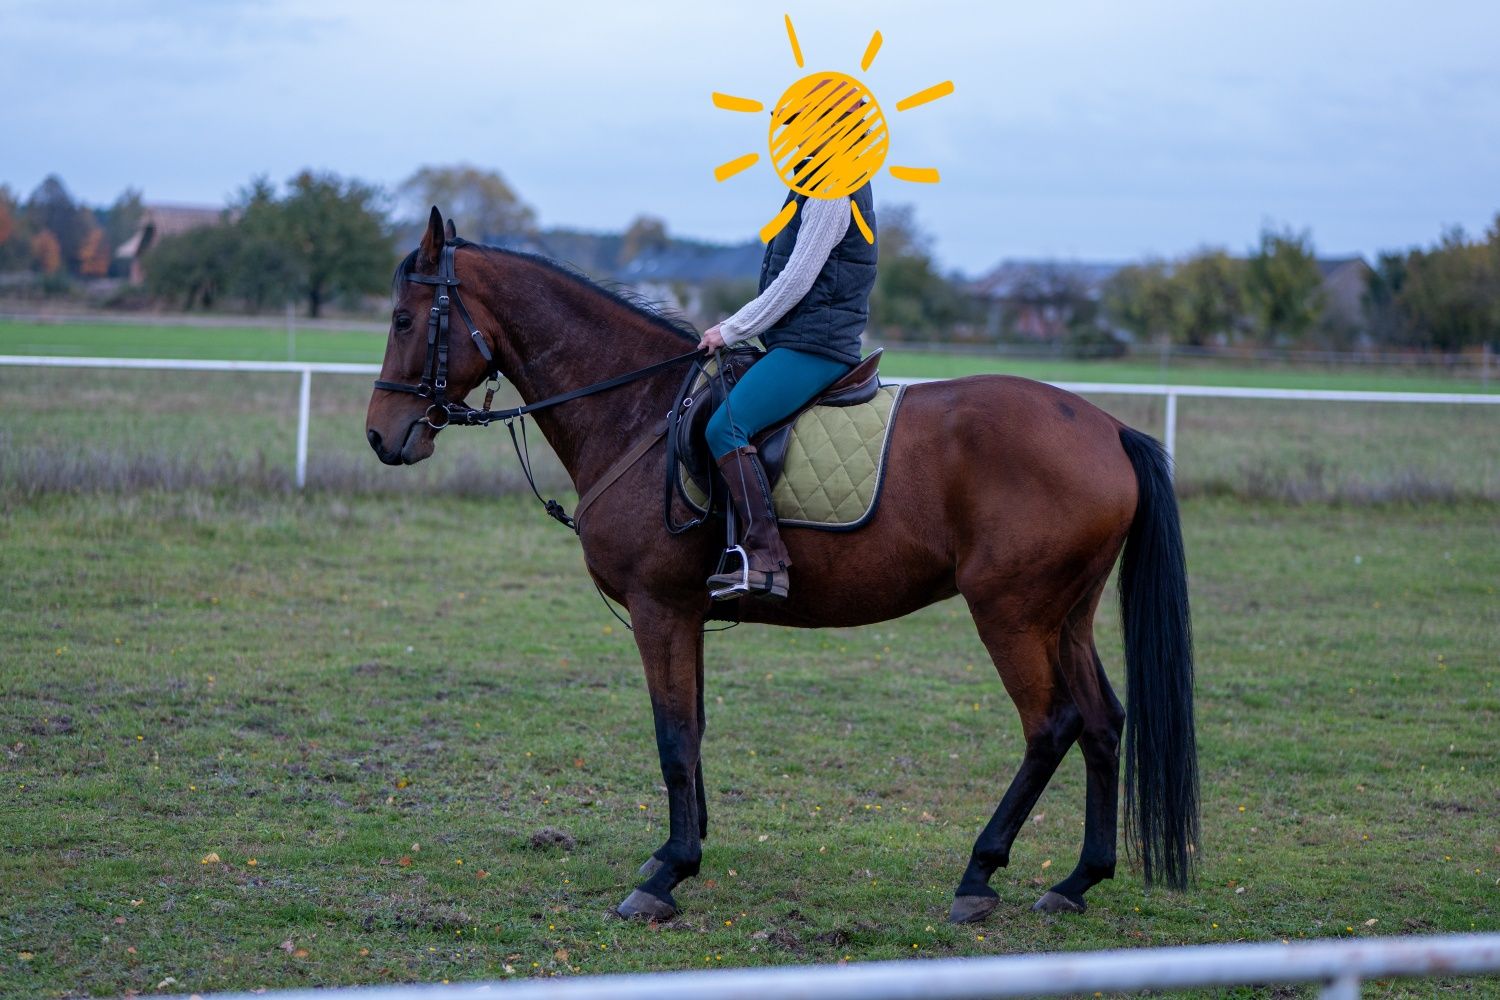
(1339, 966)
(1171, 393)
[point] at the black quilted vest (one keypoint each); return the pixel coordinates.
(831, 316)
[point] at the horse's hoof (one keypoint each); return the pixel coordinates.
(1056, 902)
(971, 909)
(644, 906)
(651, 867)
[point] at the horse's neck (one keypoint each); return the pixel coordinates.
(561, 335)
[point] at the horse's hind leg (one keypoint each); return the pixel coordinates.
(1102, 718)
(1028, 665)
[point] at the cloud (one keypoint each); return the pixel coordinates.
(1087, 127)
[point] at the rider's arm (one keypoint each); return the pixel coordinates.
(824, 223)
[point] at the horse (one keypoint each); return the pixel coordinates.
(1014, 494)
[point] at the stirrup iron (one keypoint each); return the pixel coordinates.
(741, 589)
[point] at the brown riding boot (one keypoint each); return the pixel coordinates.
(764, 573)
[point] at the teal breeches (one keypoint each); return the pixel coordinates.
(773, 389)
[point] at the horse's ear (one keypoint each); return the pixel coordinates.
(450, 230)
(432, 240)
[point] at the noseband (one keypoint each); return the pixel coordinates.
(434, 383)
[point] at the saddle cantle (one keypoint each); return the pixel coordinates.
(862, 431)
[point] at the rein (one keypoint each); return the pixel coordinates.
(466, 416)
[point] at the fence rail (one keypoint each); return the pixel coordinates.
(1338, 966)
(1171, 393)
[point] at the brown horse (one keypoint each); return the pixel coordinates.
(1015, 494)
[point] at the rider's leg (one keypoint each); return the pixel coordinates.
(772, 390)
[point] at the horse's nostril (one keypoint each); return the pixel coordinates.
(374, 437)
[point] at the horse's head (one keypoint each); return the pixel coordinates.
(425, 362)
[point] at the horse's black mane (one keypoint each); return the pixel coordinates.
(620, 293)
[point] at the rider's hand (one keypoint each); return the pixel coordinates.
(712, 340)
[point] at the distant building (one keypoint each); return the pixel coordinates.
(1345, 282)
(1036, 299)
(158, 221)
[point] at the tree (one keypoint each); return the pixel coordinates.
(266, 270)
(911, 300)
(332, 230)
(94, 256)
(15, 234)
(1209, 289)
(1283, 286)
(646, 234)
(52, 209)
(196, 268)
(1448, 294)
(46, 254)
(7, 215)
(483, 206)
(1383, 309)
(1492, 337)
(723, 297)
(1140, 298)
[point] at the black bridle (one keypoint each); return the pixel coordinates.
(434, 382)
(433, 385)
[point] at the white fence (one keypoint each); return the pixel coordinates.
(304, 369)
(1338, 966)
(1172, 393)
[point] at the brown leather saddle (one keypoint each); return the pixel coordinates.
(686, 439)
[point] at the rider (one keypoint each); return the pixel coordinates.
(815, 282)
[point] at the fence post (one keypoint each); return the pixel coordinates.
(1345, 987)
(1169, 435)
(304, 417)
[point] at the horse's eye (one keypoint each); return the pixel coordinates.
(403, 322)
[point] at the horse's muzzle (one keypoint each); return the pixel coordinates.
(376, 442)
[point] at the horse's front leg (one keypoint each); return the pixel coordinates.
(671, 645)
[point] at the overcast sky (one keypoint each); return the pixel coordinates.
(1081, 129)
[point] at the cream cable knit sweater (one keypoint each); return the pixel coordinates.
(824, 223)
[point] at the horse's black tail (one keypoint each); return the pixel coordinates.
(1161, 755)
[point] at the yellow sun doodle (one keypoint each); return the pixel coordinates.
(828, 136)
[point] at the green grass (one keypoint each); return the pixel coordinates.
(269, 342)
(285, 679)
(221, 343)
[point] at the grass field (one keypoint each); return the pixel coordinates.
(251, 741)
(270, 343)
